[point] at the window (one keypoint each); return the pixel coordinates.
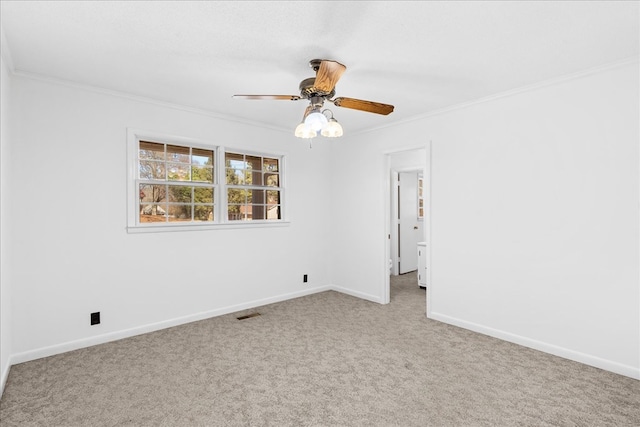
(253, 187)
(176, 183)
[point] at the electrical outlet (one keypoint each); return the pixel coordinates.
(304, 279)
(95, 318)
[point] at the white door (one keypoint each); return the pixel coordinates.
(410, 228)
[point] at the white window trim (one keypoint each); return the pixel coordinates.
(220, 206)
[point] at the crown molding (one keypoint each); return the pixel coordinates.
(142, 99)
(528, 88)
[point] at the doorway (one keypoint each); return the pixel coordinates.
(407, 222)
(407, 212)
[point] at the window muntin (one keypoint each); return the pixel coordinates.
(175, 183)
(253, 191)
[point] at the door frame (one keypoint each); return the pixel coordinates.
(426, 173)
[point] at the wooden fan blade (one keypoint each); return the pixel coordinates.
(328, 75)
(368, 106)
(275, 97)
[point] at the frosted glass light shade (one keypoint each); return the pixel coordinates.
(304, 131)
(333, 129)
(316, 121)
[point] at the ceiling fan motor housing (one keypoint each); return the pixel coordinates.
(308, 90)
(315, 64)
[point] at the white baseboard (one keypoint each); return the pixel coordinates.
(356, 294)
(5, 374)
(587, 359)
(152, 327)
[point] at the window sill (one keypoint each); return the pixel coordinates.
(201, 227)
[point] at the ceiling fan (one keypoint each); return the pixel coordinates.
(317, 90)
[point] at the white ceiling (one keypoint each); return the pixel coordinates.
(419, 56)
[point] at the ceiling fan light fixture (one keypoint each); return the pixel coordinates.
(333, 129)
(304, 131)
(316, 120)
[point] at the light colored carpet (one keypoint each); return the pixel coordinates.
(323, 360)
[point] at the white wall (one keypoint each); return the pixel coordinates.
(5, 264)
(407, 160)
(534, 221)
(358, 260)
(72, 255)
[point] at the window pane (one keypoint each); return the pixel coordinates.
(179, 213)
(233, 160)
(151, 170)
(236, 168)
(178, 172)
(152, 193)
(203, 195)
(254, 178)
(270, 165)
(179, 154)
(272, 180)
(203, 213)
(273, 197)
(152, 203)
(233, 212)
(254, 163)
(239, 212)
(236, 196)
(236, 176)
(257, 212)
(201, 157)
(254, 170)
(201, 174)
(180, 194)
(153, 213)
(256, 196)
(151, 150)
(273, 212)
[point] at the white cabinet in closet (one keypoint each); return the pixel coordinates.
(422, 264)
